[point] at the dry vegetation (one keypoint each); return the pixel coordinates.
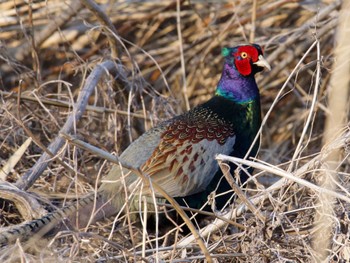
(168, 58)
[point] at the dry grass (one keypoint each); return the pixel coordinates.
(168, 58)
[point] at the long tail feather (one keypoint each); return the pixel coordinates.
(86, 210)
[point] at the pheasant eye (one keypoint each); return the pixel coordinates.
(244, 55)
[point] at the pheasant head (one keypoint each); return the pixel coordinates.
(237, 82)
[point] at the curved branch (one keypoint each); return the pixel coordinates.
(100, 70)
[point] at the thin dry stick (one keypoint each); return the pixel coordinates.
(225, 168)
(65, 104)
(144, 226)
(6, 169)
(202, 212)
(252, 30)
(91, 82)
(282, 173)
(104, 20)
(182, 59)
(338, 107)
(34, 47)
(311, 110)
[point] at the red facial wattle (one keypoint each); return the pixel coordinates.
(243, 63)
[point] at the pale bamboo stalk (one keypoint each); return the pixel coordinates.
(336, 120)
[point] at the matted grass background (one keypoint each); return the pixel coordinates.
(170, 55)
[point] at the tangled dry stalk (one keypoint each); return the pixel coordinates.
(106, 75)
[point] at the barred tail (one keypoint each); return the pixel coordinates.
(78, 215)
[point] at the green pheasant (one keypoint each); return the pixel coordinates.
(178, 154)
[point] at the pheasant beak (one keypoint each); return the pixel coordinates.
(262, 62)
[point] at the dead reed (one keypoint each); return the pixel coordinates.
(108, 74)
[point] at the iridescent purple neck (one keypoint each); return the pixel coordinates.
(236, 87)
